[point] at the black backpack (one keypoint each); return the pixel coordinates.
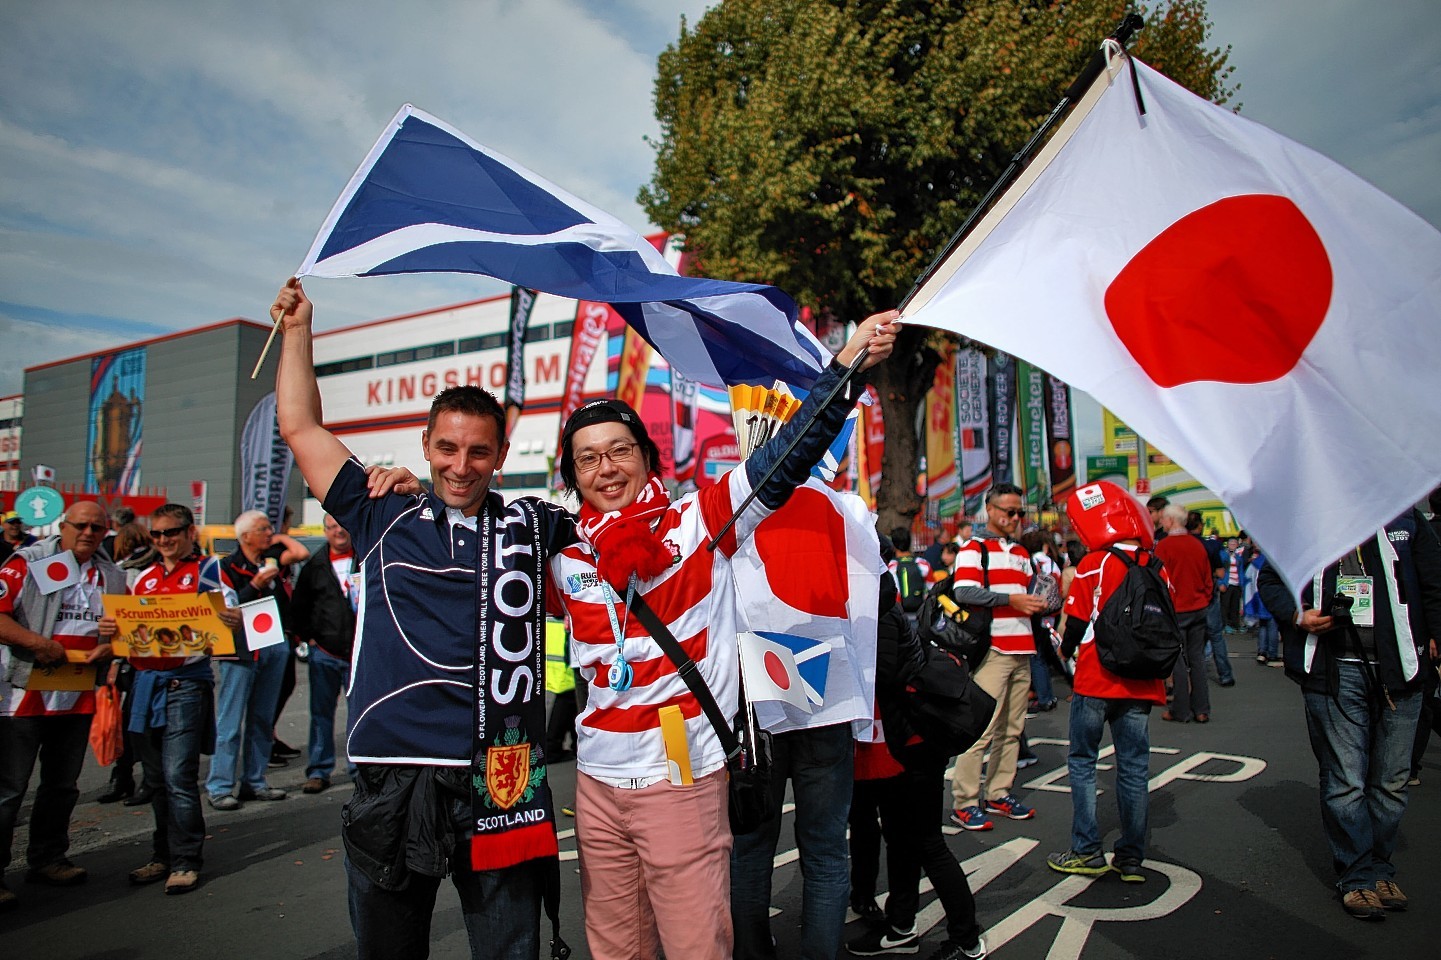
(911, 582)
(944, 705)
(1136, 633)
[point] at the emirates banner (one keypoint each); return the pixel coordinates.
(1032, 415)
(973, 427)
(1003, 416)
(586, 336)
(1060, 435)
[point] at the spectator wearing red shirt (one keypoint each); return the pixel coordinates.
(1106, 516)
(1189, 567)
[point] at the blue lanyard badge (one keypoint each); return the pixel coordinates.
(620, 675)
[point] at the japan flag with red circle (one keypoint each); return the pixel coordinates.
(55, 572)
(1266, 318)
(262, 623)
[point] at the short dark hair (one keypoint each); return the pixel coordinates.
(633, 423)
(122, 515)
(1157, 503)
(901, 539)
(1194, 521)
(1000, 490)
(175, 511)
(468, 399)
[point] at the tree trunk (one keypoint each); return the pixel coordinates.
(902, 382)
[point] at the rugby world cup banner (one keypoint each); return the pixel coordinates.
(265, 462)
(973, 425)
(117, 400)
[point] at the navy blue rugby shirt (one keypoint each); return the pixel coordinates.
(412, 690)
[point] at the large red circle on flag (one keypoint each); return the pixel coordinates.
(1233, 292)
(777, 670)
(57, 571)
(803, 548)
(262, 622)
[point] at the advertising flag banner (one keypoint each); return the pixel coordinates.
(943, 481)
(1003, 417)
(1306, 299)
(1059, 434)
(684, 397)
(522, 301)
(113, 431)
(586, 337)
(1032, 415)
(265, 462)
(973, 427)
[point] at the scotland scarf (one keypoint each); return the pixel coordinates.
(510, 798)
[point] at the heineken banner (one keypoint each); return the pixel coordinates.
(1031, 410)
(973, 427)
(1059, 434)
(521, 303)
(1003, 414)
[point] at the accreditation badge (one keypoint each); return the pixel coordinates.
(1362, 591)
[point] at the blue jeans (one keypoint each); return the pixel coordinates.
(1131, 735)
(821, 765)
(1216, 638)
(170, 758)
(1363, 749)
(1268, 638)
(501, 909)
(58, 743)
(329, 676)
(245, 720)
(1041, 680)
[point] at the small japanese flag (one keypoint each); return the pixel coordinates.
(55, 573)
(43, 474)
(770, 672)
(262, 623)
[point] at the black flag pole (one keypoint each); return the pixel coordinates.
(1130, 23)
(1127, 28)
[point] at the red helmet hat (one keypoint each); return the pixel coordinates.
(1103, 514)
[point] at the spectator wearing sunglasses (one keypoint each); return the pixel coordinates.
(994, 571)
(39, 630)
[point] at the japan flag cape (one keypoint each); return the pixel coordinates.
(812, 569)
(1263, 316)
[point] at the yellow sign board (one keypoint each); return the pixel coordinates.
(169, 625)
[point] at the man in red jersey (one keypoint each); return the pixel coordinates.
(172, 712)
(1105, 516)
(1189, 568)
(43, 624)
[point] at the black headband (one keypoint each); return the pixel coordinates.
(602, 411)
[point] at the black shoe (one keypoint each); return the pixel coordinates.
(281, 750)
(884, 941)
(120, 788)
(869, 911)
(1227, 683)
(141, 797)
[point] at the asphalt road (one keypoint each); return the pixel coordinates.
(1237, 864)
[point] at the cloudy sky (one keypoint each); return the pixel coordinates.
(165, 164)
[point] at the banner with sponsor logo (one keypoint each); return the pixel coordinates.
(1003, 413)
(586, 335)
(265, 462)
(684, 396)
(521, 303)
(943, 482)
(169, 625)
(113, 431)
(973, 433)
(1031, 412)
(1060, 434)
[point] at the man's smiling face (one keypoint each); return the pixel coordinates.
(464, 451)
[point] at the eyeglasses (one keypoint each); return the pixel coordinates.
(168, 534)
(589, 462)
(1013, 512)
(92, 527)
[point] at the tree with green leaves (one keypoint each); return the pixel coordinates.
(831, 147)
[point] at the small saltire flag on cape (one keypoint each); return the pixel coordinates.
(55, 572)
(1260, 314)
(770, 672)
(430, 199)
(262, 623)
(812, 658)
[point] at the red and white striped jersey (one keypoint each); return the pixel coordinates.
(1008, 571)
(618, 734)
(76, 628)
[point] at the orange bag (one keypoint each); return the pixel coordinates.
(107, 730)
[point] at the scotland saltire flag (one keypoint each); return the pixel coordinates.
(812, 659)
(429, 199)
(772, 668)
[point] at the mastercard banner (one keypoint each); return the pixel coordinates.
(169, 625)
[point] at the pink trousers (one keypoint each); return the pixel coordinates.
(655, 869)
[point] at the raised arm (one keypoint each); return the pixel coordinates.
(318, 452)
